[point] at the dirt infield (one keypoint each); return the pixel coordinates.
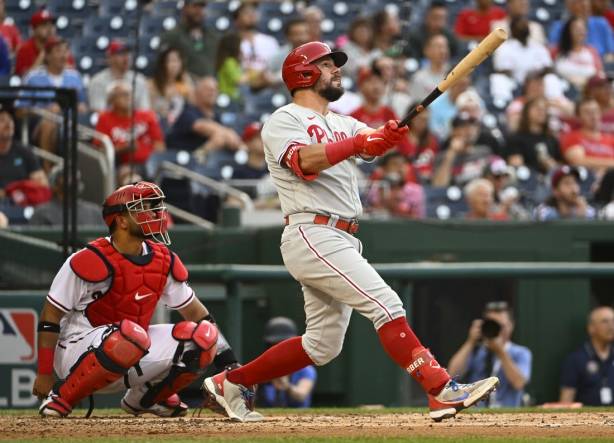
(305, 425)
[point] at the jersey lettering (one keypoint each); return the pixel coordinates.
(316, 132)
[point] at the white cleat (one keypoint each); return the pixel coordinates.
(235, 399)
(455, 397)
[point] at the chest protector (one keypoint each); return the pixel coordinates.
(136, 285)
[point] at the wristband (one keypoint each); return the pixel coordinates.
(338, 151)
(45, 361)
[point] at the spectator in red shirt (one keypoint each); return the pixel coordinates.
(8, 30)
(589, 146)
(372, 112)
(475, 24)
(31, 54)
(422, 146)
(599, 87)
(116, 122)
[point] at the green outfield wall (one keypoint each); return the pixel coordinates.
(550, 314)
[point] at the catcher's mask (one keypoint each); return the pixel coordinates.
(144, 203)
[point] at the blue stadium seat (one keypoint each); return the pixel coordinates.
(19, 6)
(169, 8)
(153, 25)
(71, 8)
(110, 26)
(69, 27)
(89, 53)
(123, 8)
(21, 19)
(440, 205)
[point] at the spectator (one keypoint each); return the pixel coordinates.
(395, 91)
(30, 53)
(576, 61)
(588, 146)
(488, 350)
(470, 103)
(435, 22)
(256, 47)
(4, 221)
(480, 197)
(17, 163)
(372, 112)
(197, 126)
(434, 70)
(587, 375)
(444, 108)
(423, 146)
(293, 390)
(386, 33)
(394, 191)
(599, 34)
(520, 8)
(314, 16)
(475, 24)
(54, 73)
(464, 159)
(359, 47)
(599, 87)
(506, 197)
(52, 212)
(171, 87)
(198, 45)
(230, 75)
(533, 144)
(255, 167)
(118, 61)
(518, 56)
(566, 202)
(296, 31)
(603, 8)
(5, 60)
(118, 120)
(8, 30)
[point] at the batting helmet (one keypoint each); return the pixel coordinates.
(144, 203)
(299, 70)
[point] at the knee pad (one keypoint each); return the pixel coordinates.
(322, 352)
(187, 366)
(121, 348)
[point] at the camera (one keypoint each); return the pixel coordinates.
(490, 328)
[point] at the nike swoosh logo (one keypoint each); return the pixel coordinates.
(372, 139)
(138, 297)
(311, 118)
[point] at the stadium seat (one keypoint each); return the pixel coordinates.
(444, 203)
(152, 25)
(110, 26)
(89, 53)
(123, 8)
(170, 8)
(19, 6)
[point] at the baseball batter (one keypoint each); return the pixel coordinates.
(311, 152)
(94, 329)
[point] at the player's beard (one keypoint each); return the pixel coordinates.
(331, 93)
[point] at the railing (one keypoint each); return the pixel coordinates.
(232, 276)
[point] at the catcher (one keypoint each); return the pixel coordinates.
(94, 327)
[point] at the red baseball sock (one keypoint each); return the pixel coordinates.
(402, 345)
(282, 359)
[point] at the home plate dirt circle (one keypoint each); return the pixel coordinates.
(552, 424)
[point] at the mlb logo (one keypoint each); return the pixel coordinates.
(18, 335)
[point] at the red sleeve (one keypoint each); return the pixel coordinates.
(21, 60)
(568, 140)
(290, 160)
(103, 125)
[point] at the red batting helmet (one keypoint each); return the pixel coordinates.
(299, 70)
(144, 202)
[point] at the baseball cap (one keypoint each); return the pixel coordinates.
(497, 167)
(278, 329)
(52, 42)
(251, 131)
(40, 17)
(563, 171)
(462, 119)
(117, 47)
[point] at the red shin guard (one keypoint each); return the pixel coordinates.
(402, 345)
(282, 359)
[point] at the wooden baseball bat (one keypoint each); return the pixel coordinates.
(486, 47)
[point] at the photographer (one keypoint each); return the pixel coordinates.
(488, 351)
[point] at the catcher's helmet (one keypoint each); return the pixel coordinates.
(299, 70)
(144, 202)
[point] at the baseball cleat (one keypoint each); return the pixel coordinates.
(54, 406)
(171, 407)
(455, 397)
(235, 399)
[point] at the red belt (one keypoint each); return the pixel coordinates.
(350, 226)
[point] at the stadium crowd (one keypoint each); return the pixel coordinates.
(530, 136)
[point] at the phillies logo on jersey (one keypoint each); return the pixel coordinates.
(316, 132)
(18, 335)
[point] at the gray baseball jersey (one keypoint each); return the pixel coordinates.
(335, 191)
